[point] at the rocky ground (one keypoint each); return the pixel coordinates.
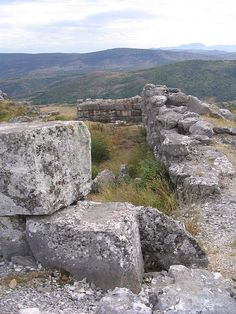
(34, 290)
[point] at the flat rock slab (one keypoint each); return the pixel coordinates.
(43, 166)
(96, 241)
(192, 291)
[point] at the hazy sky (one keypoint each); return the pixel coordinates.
(90, 25)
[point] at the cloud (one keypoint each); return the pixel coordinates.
(88, 25)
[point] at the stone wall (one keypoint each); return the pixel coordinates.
(111, 110)
(182, 140)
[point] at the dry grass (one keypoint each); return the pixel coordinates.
(217, 122)
(162, 198)
(191, 225)
(65, 112)
(10, 110)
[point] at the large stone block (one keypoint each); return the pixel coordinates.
(98, 241)
(43, 166)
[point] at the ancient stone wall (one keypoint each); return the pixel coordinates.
(111, 110)
(179, 137)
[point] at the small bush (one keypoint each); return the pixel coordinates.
(152, 169)
(99, 148)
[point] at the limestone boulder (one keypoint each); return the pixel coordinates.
(176, 145)
(183, 290)
(177, 99)
(165, 242)
(97, 241)
(103, 179)
(185, 124)
(170, 119)
(123, 301)
(202, 128)
(43, 166)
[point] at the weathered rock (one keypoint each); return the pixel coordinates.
(123, 173)
(43, 166)
(176, 145)
(123, 301)
(103, 179)
(12, 237)
(165, 242)
(178, 99)
(192, 291)
(170, 119)
(158, 100)
(202, 128)
(185, 124)
(98, 241)
(226, 114)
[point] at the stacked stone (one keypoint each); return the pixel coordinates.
(180, 138)
(111, 110)
(44, 167)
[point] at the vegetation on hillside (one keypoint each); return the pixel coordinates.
(127, 145)
(212, 80)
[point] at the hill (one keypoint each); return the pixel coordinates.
(216, 79)
(18, 65)
(115, 73)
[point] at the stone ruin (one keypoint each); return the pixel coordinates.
(45, 175)
(182, 140)
(111, 110)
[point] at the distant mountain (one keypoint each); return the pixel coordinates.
(57, 78)
(199, 46)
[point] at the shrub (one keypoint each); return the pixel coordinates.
(152, 169)
(99, 147)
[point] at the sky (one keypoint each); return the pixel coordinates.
(92, 25)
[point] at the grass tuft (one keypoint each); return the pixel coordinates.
(10, 110)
